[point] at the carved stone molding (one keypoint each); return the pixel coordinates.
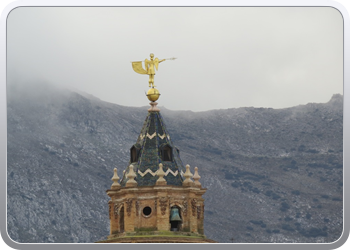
(163, 204)
(194, 206)
(128, 206)
(110, 211)
(116, 209)
(137, 205)
(184, 210)
(199, 212)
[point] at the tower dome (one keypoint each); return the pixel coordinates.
(154, 146)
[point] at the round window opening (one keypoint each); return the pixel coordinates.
(147, 211)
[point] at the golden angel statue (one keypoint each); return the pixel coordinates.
(150, 66)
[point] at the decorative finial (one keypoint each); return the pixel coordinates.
(153, 94)
(160, 173)
(153, 107)
(150, 67)
(196, 177)
(131, 176)
(115, 180)
(187, 175)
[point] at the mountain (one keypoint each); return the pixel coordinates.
(273, 175)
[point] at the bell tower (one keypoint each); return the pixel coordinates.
(158, 199)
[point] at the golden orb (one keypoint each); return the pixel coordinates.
(153, 94)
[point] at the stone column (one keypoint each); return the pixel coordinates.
(186, 212)
(112, 226)
(193, 215)
(129, 215)
(114, 217)
(200, 217)
(163, 213)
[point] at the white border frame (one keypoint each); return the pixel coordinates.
(222, 3)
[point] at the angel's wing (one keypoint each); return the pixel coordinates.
(147, 62)
(156, 62)
(137, 66)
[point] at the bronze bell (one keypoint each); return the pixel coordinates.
(174, 214)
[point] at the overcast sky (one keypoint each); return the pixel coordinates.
(226, 57)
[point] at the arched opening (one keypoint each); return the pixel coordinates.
(121, 219)
(166, 153)
(175, 219)
(134, 154)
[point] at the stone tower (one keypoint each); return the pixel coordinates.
(156, 199)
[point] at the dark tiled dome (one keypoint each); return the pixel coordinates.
(154, 146)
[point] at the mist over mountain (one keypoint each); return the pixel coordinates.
(273, 175)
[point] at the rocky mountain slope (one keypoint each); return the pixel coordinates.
(273, 175)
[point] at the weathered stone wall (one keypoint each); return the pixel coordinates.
(160, 200)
